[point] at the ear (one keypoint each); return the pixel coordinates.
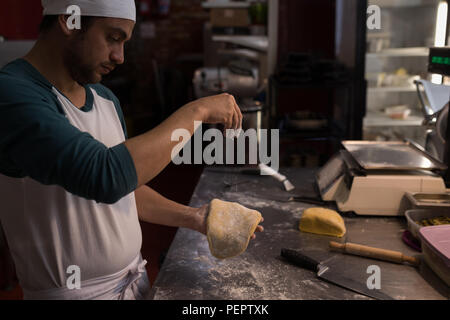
(62, 22)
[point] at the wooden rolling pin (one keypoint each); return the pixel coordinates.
(374, 253)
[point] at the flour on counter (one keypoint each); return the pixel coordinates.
(248, 200)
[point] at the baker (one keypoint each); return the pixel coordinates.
(73, 186)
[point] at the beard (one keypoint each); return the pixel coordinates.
(80, 70)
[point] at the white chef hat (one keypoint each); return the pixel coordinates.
(124, 9)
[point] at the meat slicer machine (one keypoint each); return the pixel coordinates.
(373, 177)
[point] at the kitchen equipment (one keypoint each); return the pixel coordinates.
(429, 201)
(251, 114)
(239, 78)
(395, 155)
(433, 97)
(416, 215)
(373, 253)
(371, 178)
(326, 270)
(434, 100)
(436, 250)
(266, 170)
(439, 60)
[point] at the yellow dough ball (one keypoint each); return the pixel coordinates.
(322, 221)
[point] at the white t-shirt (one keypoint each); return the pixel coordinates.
(49, 229)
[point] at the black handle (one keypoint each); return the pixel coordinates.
(300, 259)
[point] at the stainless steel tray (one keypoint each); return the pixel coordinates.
(391, 155)
(430, 198)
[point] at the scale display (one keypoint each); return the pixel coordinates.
(439, 61)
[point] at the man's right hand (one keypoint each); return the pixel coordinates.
(152, 151)
(217, 109)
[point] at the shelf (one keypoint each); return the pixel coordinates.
(378, 119)
(392, 89)
(403, 3)
(260, 43)
(244, 53)
(400, 52)
(224, 4)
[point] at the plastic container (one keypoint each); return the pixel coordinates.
(436, 249)
(419, 214)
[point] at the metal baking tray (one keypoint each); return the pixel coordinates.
(429, 201)
(392, 155)
(442, 199)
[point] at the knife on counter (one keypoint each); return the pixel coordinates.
(325, 271)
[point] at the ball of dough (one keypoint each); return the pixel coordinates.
(322, 221)
(229, 228)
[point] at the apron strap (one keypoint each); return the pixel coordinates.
(133, 276)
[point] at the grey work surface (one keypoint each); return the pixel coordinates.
(190, 272)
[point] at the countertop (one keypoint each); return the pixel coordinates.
(190, 272)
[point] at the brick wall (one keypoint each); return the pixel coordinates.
(19, 19)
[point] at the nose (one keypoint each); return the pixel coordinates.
(117, 55)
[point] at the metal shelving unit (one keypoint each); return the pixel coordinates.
(395, 55)
(401, 52)
(260, 43)
(391, 89)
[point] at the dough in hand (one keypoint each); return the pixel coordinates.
(229, 228)
(322, 221)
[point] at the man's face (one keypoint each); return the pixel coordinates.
(93, 53)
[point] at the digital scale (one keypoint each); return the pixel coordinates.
(371, 177)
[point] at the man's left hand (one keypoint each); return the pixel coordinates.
(200, 216)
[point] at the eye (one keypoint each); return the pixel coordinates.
(114, 39)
